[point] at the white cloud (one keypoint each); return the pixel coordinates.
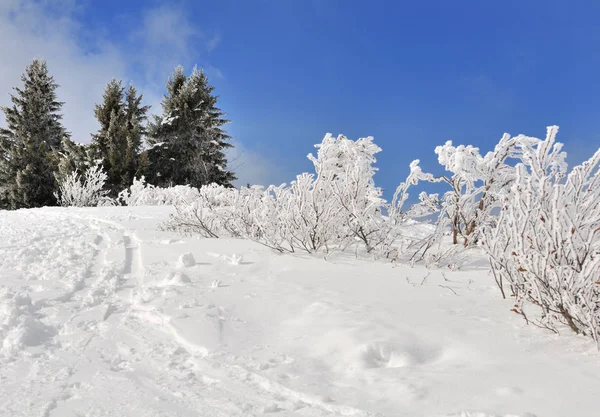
(213, 42)
(164, 40)
(214, 72)
(27, 32)
(251, 167)
(50, 29)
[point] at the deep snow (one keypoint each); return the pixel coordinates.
(102, 314)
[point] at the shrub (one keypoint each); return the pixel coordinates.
(546, 244)
(83, 191)
(336, 207)
(142, 194)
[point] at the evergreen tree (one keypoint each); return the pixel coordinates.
(107, 113)
(118, 141)
(33, 134)
(73, 157)
(34, 182)
(135, 118)
(187, 142)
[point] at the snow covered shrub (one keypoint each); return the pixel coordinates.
(478, 184)
(392, 236)
(345, 188)
(200, 215)
(142, 194)
(546, 244)
(261, 215)
(82, 191)
(336, 207)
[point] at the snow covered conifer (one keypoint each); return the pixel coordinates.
(135, 118)
(117, 143)
(30, 176)
(187, 142)
(73, 157)
(33, 132)
(35, 110)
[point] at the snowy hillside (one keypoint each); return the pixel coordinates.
(102, 314)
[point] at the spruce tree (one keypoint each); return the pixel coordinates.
(118, 141)
(34, 182)
(73, 157)
(28, 143)
(135, 119)
(112, 108)
(187, 142)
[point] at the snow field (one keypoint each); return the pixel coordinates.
(102, 314)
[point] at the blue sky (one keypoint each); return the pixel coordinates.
(411, 74)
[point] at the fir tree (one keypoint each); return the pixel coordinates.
(135, 118)
(34, 182)
(118, 141)
(33, 134)
(187, 142)
(112, 107)
(73, 157)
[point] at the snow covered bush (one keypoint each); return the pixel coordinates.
(478, 184)
(394, 225)
(82, 191)
(142, 194)
(344, 188)
(336, 207)
(200, 215)
(546, 242)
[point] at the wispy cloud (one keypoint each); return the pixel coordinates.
(165, 39)
(252, 167)
(214, 72)
(213, 42)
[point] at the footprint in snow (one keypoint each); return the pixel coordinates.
(398, 355)
(217, 284)
(178, 278)
(234, 259)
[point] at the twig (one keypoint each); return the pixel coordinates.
(448, 280)
(444, 286)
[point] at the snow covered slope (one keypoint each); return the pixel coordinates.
(101, 314)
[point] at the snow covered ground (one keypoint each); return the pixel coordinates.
(102, 314)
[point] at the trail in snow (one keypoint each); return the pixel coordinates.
(101, 314)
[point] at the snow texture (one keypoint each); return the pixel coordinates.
(102, 314)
